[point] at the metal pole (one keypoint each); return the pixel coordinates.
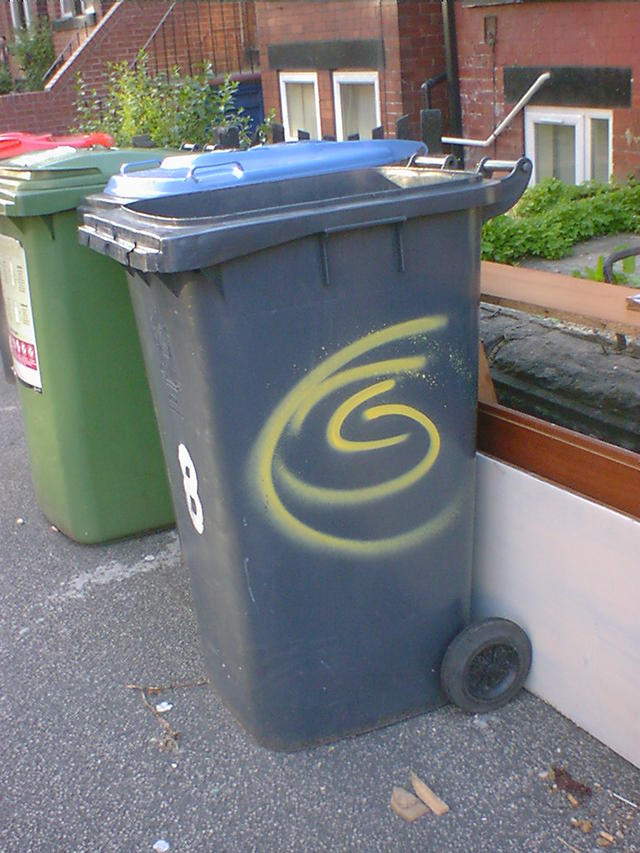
(485, 143)
(453, 73)
(202, 63)
(186, 37)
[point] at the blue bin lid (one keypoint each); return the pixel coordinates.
(181, 173)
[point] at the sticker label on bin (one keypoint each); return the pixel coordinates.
(14, 282)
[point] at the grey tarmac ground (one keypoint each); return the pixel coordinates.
(585, 255)
(81, 763)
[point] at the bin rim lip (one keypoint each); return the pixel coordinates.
(144, 241)
(445, 179)
(58, 179)
(56, 161)
(67, 198)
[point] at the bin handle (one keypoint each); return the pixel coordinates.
(486, 167)
(398, 221)
(139, 165)
(99, 138)
(232, 166)
(508, 189)
(357, 226)
(446, 161)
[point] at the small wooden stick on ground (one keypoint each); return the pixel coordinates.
(407, 806)
(173, 685)
(170, 740)
(428, 797)
(569, 846)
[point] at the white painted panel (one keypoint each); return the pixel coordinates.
(568, 570)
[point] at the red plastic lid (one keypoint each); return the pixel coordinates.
(16, 143)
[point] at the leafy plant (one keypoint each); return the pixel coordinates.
(626, 277)
(592, 273)
(6, 80)
(33, 49)
(264, 131)
(169, 108)
(552, 217)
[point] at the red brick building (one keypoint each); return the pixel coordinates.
(115, 35)
(584, 123)
(185, 34)
(340, 67)
(349, 62)
(71, 20)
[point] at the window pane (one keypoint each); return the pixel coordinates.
(600, 149)
(301, 106)
(555, 146)
(358, 102)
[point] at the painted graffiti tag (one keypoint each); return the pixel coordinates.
(283, 494)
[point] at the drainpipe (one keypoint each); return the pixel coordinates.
(428, 85)
(453, 77)
(28, 14)
(16, 22)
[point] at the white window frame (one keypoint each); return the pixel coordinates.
(87, 7)
(348, 77)
(64, 13)
(298, 77)
(580, 119)
(587, 151)
(27, 12)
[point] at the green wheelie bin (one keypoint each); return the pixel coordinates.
(95, 453)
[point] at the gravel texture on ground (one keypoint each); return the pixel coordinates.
(86, 765)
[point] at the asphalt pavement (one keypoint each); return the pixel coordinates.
(87, 763)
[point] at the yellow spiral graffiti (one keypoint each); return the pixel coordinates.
(266, 467)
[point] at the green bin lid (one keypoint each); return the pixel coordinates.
(58, 179)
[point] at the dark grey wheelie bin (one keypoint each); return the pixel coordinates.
(312, 352)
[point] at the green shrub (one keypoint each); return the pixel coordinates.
(6, 80)
(33, 49)
(170, 108)
(551, 217)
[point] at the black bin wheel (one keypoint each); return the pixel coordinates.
(486, 665)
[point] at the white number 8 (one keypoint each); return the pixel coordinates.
(190, 485)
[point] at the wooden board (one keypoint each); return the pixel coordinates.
(566, 569)
(592, 303)
(559, 555)
(582, 464)
(593, 468)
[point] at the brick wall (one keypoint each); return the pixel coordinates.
(194, 33)
(5, 25)
(422, 56)
(285, 21)
(547, 33)
(62, 37)
(118, 39)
